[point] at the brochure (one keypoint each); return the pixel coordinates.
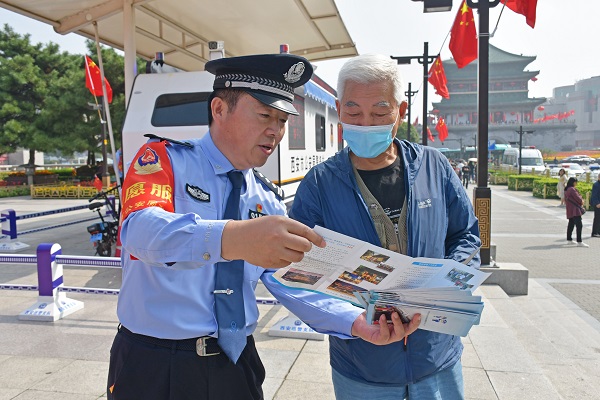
(381, 280)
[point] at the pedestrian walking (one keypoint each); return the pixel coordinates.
(574, 208)
(466, 175)
(560, 186)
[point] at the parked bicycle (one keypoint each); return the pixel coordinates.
(103, 234)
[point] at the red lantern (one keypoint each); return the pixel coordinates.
(541, 108)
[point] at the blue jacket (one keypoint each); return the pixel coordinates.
(440, 224)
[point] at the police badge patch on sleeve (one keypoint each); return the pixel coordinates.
(256, 213)
(196, 193)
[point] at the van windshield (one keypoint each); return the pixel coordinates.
(532, 161)
(181, 109)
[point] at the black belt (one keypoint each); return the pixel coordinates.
(203, 346)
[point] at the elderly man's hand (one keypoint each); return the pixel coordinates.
(273, 241)
(384, 333)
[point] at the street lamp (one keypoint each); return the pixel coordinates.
(482, 195)
(436, 5)
(521, 132)
(425, 59)
(409, 93)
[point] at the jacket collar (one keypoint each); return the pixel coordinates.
(412, 157)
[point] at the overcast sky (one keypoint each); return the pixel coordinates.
(560, 40)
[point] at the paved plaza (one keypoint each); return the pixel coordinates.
(513, 354)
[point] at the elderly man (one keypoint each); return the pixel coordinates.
(401, 196)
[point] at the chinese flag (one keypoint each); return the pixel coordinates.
(93, 79)
(429, 135)
(524, 7)
(437, 77)
(463, 40)
(442, 129)
(97, 184)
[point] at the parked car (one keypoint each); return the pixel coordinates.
(581, 159)
(572, 170)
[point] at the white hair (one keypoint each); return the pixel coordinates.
(371, 68)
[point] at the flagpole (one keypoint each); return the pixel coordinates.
(482, 195)
(106, 109)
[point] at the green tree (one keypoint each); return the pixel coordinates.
(22, 91)
(71, 122)
(415, 137)
(44, 101)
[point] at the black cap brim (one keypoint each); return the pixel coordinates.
(274, 102)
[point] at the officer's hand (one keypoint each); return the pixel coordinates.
(384, 333)
(270, 242)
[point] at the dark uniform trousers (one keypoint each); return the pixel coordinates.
(145, 368)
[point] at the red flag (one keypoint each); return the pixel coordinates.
(524, 7)
(442, 129)
(463, 40)
(437, 77)
(93, 80)
(429, 135)
(97, 183)
(416, 121)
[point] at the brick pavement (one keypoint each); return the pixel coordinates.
(532, 232)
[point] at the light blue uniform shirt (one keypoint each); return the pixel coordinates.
(176, 301)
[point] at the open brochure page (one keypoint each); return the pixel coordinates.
(347, 265)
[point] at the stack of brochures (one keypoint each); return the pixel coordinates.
(445, 310)
(381, 280)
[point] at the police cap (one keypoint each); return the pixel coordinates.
(269, 78)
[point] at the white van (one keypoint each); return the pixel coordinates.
(531, 159)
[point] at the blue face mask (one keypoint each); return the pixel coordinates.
(368, 141)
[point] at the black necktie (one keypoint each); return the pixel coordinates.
(229, 299)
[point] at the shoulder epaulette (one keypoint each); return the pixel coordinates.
(274, 188)
(153, 136)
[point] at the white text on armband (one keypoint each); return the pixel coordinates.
(208, 230)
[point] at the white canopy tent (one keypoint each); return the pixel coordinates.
(181, 29)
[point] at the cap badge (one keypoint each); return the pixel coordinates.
(295, 72)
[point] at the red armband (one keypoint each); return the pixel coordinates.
(149, 181)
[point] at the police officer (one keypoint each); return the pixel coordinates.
(179, 240)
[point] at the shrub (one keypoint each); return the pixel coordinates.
(545, 188)
(522, 182)
(12, 191)
(85, 172)
(65, 173)
(499, 177)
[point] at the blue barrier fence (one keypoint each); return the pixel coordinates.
(52, 304)
(9, 219)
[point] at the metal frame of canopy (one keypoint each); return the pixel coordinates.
(181, 29)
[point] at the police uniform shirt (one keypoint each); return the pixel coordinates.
(167, 291)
